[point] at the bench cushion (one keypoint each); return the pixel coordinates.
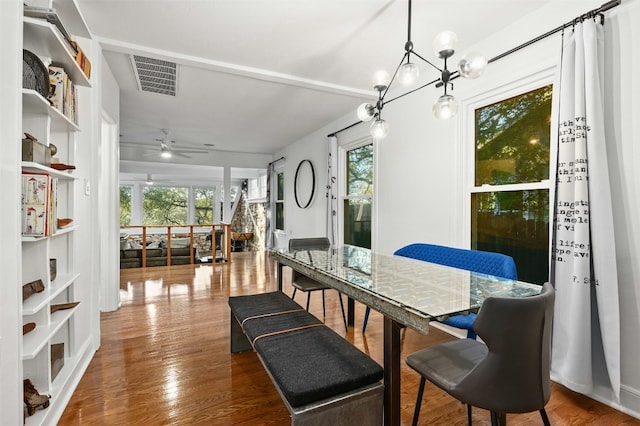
(327, 365)
(259, 304)
(278, 323)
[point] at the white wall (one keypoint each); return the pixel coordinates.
(420, 173)
(10, 261)
(108, 193)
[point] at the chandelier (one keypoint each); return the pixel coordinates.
(470, 66)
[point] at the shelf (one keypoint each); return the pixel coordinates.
(28, 166)
(62, 231)
(41, 39)
(28, 239)
(38, 301)
(33, 342)
(73, 20)
(34, 103)
(58, 232)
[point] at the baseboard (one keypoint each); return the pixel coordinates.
(629, 398)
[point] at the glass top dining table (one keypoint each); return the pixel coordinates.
(406, 291)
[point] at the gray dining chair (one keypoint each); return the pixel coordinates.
(510, 374)
(308, 285)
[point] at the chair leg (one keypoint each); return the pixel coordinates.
(498, 419)
(344, 317)
(366, 319)
(545, 418)
(293, 296)
(308, 299)
(469, 414)
(416, 412)
(324, 311)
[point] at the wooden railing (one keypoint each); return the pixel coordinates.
(172, 230)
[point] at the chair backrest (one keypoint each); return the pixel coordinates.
(485, 262)
(315, 243)
(514, 376)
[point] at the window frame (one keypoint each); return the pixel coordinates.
(343, 149)
(518, 87)
(279, 171)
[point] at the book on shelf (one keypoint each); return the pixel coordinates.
(39, 204)
(62, 93)
(35, 204)
(82, 60)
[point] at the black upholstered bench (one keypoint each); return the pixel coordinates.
(321, 377)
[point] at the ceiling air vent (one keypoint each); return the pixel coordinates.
(155, 75)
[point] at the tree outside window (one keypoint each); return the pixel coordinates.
(203, 203)
(164, 206)
(510, 198)
(280, 202)
(359, 193)
(125, 205)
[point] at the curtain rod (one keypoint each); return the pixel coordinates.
(590, 14)
(275, 161)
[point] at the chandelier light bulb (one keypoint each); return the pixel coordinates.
(445, 107)
(472, 65)
(380, 80)
(379, 129)
(408, 74)
(365, 111)
(444, 45)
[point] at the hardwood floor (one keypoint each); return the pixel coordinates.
(165, 358)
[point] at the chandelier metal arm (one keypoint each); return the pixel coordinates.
(436, 81)
(393, 77)
(428, 62)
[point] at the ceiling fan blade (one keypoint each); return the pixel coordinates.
(180, 154)
(189, 151)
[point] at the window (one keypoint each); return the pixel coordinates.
(358, 196)
(510, 197)
(280, 202)
(203, 205)
(125, 205)
(257, 189)
(164, 206)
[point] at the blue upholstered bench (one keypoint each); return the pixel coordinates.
(484, 262)
(321, 377)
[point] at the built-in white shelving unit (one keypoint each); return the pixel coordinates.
(50, 126)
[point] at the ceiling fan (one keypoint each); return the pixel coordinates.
(167, 147)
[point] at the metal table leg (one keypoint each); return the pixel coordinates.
(391, 372)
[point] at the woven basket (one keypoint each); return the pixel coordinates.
(34, 74)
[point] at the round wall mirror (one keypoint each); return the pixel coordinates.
(304, 184)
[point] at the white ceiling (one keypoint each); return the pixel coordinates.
(256, 75)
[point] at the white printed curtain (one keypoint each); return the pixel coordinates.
(586, 330)
(269, 208)
(332, 182)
